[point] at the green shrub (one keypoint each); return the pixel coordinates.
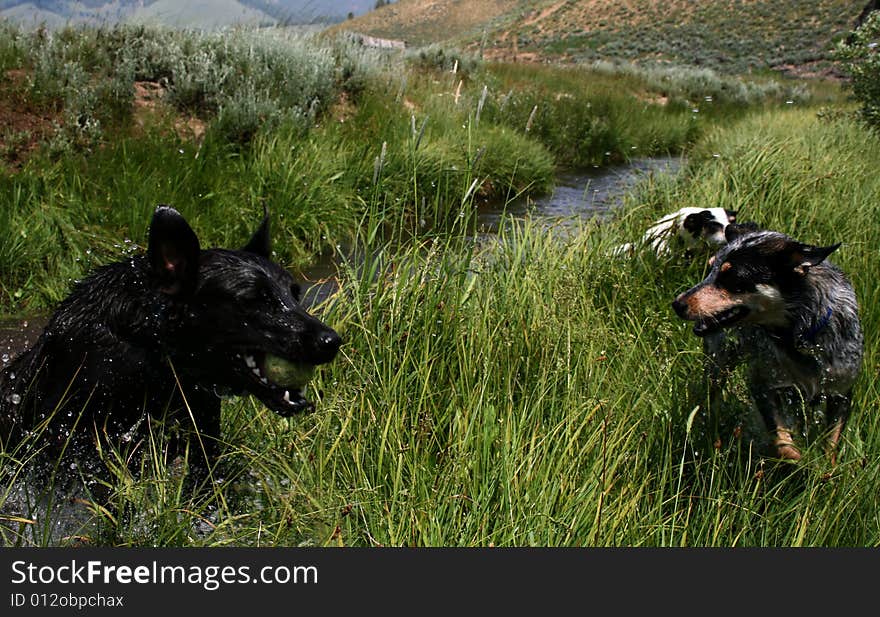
(441, 58)
(242, 80)
(861, 59)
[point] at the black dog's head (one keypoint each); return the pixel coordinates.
(753, 279)
(238, 324)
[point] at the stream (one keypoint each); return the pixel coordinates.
(578, 194)
(584, 193)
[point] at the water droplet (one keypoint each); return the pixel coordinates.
(15, 399)
(5, 358)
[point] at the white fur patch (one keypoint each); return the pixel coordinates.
(768, 305)
(770, 292)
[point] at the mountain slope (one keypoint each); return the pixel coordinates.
(203, 14)
(198, 13)
(732, 35)
(420, 22)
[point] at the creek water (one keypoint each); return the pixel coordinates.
(585, 193)
(582, 193)
(578, 194)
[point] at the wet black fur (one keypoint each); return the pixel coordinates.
(152, 342)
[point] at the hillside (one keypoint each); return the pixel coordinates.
(731, 35)
(204, 14)
(194, 13)
(421, 22)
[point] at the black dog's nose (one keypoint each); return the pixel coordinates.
(330, 340)
(327, 343)
(679, 307)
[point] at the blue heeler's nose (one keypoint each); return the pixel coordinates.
(679, 307)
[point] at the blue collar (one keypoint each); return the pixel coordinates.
(810, 335)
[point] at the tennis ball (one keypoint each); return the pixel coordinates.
(287, 373)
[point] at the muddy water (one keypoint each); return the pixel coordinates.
(16, 335)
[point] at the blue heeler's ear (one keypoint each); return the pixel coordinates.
(173, 253)
(731, 215)
(261, 243)
(805, 256)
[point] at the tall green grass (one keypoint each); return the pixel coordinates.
(319, 130)
(533, 391)
(536, 392)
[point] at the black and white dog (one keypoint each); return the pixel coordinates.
(792, 316)
(687, 230)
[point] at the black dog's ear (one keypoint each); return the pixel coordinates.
(173, 252)
(261, 243)
(804, 256)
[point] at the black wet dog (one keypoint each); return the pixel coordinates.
(154, 341)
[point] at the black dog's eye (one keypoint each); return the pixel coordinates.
(266, 294)
(259, 291)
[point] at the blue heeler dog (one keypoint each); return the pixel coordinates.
(792, 316)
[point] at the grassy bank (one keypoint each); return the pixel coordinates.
(101, 125)
(534, 392)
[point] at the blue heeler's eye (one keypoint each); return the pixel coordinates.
(738, 284)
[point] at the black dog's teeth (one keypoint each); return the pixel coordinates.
(255, 368)
(251, 363)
